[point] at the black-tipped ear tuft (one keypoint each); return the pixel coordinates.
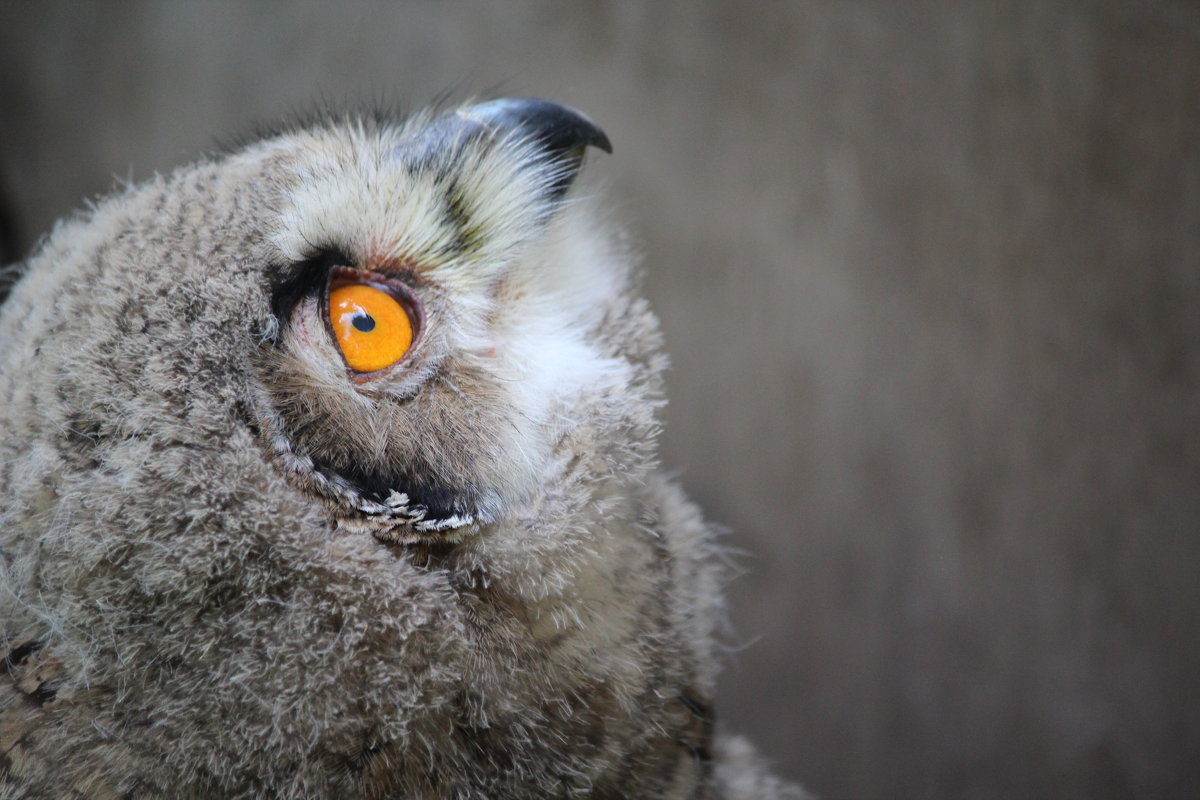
(561, 133)
(558, 128)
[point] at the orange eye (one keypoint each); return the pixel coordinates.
(372, 328)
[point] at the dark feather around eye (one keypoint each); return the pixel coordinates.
(302, 279)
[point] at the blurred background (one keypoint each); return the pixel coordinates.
(930, 276)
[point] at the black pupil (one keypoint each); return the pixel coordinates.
(363, 322)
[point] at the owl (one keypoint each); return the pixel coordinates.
(328, 470)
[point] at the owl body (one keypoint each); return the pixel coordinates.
(236, 566)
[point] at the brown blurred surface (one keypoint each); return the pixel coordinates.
(930, 276)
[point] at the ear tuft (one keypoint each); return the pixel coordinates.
(560, 136)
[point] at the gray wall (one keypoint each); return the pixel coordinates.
(930, 274)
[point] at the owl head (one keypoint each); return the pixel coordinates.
(327, 469)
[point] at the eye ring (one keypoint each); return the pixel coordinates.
(370, 334)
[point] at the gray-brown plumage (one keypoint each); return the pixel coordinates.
(235, 565)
